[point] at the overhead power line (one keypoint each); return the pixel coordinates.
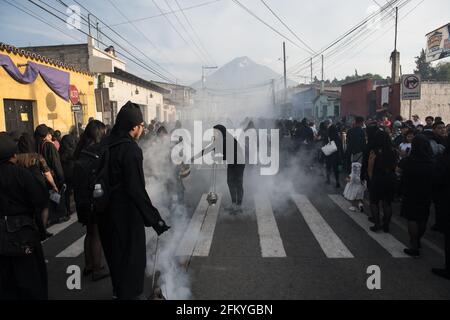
(178, 32)
(204, 56)
(134, 59)
(287, 27)
(269, 26)
(166, 13)
(354, 29)
(142, 34)
(40, 18)
(154, 71)
(195, 33)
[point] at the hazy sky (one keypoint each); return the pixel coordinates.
(227, 31)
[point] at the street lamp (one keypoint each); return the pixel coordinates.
(203, 74)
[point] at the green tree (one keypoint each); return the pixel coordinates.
(423, 67)
(442, 72)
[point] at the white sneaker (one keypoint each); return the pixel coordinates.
(352, 209)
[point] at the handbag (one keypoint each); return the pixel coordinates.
(329, 148)
(19, 235)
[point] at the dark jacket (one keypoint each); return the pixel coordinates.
(66, 153)
(51, 156)
(416, 187)
(122, 227)
(24, 193)
(356, 140)
(441, 192)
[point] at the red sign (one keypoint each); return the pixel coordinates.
(73, 94)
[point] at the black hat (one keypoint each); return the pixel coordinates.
(41, 131)
(8, 147)
(130, 115)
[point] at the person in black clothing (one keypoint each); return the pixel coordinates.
(442, 203)
(429, 123)
(437, 138)
(122, 227)
(85, 159)
(401, 138)
(417, 170)
(335, 159)
(66, 152)
(47, 149)
(381, 166)
(22, 198)
(356, 142)
(36, 164)
(235, 160)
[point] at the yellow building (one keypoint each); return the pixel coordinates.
(24, 106)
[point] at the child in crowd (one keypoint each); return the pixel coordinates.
(354, 190)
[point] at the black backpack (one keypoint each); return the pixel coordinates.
(92, 187)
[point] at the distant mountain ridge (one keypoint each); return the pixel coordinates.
(239, 73)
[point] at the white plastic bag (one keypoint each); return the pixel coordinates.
(330, 148)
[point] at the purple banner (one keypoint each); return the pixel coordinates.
(57, 80)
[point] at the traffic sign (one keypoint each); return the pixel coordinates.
(74, 94)
(76, 107)
(411, 87)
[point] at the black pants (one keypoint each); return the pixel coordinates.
(332, 164)
(235, 179)
(447, 251)
(24, 278)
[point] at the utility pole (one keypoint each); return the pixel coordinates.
(322, 85)
(284, 65)
(312, 71)
(285, 76)
(203, 75)
(395, 55)
(89, 23)
(273, 94)
(396, 28)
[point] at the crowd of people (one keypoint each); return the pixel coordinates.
(101, 169)
(391, 159)
(98, 172)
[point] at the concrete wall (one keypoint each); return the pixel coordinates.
(435, 102)
(122, 92)
(48, 107)
(75, 55)
(355, 98)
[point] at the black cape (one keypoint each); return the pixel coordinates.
(122, 227)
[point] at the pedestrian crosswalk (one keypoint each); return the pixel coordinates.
(200, 237)
(330, 243)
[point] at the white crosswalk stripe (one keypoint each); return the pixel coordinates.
(57, 228)
(192, 234)
(207, 231)
(198, 237)
(386, 240)
(328, 240)
(269, 235)
(74, 250)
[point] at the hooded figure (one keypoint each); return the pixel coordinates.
(122, 228)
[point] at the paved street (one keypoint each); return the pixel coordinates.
(302, 244)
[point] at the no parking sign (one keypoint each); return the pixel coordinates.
(411, 87)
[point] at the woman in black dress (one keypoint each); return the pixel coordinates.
(335, 159)
(382, 163)
(442, 203)
(85, 160)
(416, 189)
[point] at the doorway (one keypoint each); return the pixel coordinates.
(19, 116)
